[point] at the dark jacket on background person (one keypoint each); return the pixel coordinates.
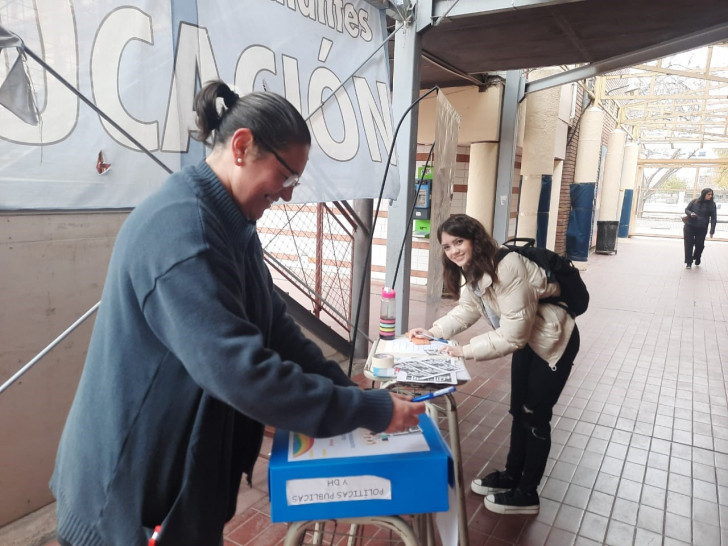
(192, 351)
(706, 214)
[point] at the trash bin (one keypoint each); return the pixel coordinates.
(607, 237)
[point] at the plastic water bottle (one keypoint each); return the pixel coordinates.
(387, 314)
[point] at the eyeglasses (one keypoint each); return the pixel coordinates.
(294, 179)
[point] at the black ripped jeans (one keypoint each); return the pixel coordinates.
(535, 389)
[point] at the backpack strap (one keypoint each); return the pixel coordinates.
(511, 246)
(502, 251)
(513, 242)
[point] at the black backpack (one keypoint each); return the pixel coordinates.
(574, 295)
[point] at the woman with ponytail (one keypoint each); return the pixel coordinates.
(192, 352)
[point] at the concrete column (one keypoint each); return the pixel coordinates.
(590, 146)
(585, 180)
(537, 163)
(626, 188)
(528, 198)
(608, 221)
(608, 208)
(480, 202)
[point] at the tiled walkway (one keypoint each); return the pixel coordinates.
(640, 435)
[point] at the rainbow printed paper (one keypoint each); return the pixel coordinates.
(301, 444)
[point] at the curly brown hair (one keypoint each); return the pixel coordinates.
(485, 253)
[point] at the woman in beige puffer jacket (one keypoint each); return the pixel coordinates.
(542, 337)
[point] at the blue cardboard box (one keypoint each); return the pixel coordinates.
(383, 475)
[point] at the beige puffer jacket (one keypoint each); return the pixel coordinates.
(546, 328)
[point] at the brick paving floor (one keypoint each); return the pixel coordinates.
(640, 434)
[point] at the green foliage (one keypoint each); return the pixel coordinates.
(673, 182)
(720, 174)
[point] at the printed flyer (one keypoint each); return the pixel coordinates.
(358, 443)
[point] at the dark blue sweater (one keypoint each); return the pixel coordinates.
(192, 351)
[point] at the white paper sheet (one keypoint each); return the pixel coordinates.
(403, 346)
(358, 443)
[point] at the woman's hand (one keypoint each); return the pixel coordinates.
(405, 414)
(419, 332)
(452, 351)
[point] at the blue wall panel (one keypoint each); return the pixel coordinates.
(626, 212)
(544, 205)
(580, 220)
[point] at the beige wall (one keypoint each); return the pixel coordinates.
(480, 114)
(52, 271)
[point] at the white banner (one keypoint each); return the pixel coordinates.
(141, 63)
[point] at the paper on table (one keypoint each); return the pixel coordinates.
(414, 369)
(403, 346)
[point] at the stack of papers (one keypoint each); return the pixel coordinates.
(440, 371)
(415, 363)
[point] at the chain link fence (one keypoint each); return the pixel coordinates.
(309, 248)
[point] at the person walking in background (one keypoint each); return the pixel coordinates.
(192, 351)
(542, 337)
(701, 214)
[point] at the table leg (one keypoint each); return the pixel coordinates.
(454, 431)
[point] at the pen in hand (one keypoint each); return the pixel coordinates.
(434, 394)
